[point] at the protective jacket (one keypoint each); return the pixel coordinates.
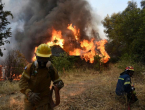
(38, 80)
(123, 84)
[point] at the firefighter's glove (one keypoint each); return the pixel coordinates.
(59, 84)
(33, 97)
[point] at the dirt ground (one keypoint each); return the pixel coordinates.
(85, 90)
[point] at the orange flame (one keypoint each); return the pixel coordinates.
(20, 76)
(89, 51)
(56, 39)
(88, 48)
(100, 45)
(34, 57)
(74, 30)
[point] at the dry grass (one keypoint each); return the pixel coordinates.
(11, 102)
(86, 90)
(91, 90)
(10, 97)
(8, 87)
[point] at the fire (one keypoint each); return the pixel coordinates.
(16, 78)
(100, 45)
(20, 76)
(34, 57)
(74, 30)
(56, 39)
(89, 50)
(88, 47)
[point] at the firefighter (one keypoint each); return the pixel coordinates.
(124, 87)
(36, 80)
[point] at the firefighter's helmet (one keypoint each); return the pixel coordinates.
(43, 50)
(129, 68)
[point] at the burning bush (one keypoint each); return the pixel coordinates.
(14, 64)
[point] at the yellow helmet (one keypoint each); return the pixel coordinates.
(43, 50)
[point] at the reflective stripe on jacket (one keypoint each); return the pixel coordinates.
(38, 82)
(123, 84)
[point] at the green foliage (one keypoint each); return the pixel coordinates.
(4, 30)
(127, 60)
(125, 31)
(98, 64)
(143, 4)
(63, 62)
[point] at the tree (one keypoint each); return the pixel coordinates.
(143, 4)
(63, 62)
(122, 30)
(14, 63)
(4, 30)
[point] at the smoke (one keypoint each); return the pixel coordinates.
(36, 18)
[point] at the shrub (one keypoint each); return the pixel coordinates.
(98, 64)
(128, 60)
(63, 62)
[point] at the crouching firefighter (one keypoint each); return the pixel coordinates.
(36, 80)
(124, 87)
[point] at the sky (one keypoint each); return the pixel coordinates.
(104, 7)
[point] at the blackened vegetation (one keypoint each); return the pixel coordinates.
(57, 50)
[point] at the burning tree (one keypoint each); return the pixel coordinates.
(14, 63)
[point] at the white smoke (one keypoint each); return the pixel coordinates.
(14, 6)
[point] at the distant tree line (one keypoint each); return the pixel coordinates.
(126, 33)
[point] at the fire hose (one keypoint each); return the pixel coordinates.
(132, 98)
(57, 96)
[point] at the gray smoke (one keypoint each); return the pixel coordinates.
(40, 16)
